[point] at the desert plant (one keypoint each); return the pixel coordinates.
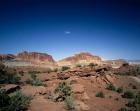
(34, 81)
(55, 70)
(92, 64)
(69, 103)
(100, 94)
(123, 109)
(63, 90)
(78, 65)
(111, 87)
(73, 82)
(128, 94)
(33, 72)
(17, 102)
(49, 70)
(4, 100)
(9, 78)
(120, 90)
(2, 66)
(65, 68)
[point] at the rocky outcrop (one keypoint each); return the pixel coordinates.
(6, 57)
(28, 59)
(117, 63)
(36, 57)
(9, 88)
(83, 58)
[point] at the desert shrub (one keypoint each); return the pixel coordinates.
(2, 66)
(78, 65)
(123, 109)
(111, 87)
(120, 90)
(65, 68)
(69, 103)
(92, 65)
(130, 104)
(55, 70)
(9, 78)
(49, 70)
(63, 90)
(128, 94)
(100, 94)
(17, 102)
(135, 70)
(33, 72)
(73, 82)
(34, 81)
(137, 98)
(4, 100)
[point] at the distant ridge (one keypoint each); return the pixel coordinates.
(133, 60)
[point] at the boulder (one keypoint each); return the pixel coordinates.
(10, 88)
(33, 90)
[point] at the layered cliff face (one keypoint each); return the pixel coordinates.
(36, 57)
(83, 58)
(28, 59)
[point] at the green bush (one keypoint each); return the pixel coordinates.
(4, 100)
(111, 87)
(73, 82)
(65, 68)
(49, 70)
(17, 102)
(100, 94)
(128, 94)
(120, 90)
(63, 90)
(2, 66)
(123, 109)
(55, 70)
(9, 78)
(92, 65)
(34, 81)
(33, 72)
(78, 65)
(69, 103)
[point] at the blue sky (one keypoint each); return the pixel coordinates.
(110, 29)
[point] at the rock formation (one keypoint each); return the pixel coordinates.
(36, 57)
(82, 58)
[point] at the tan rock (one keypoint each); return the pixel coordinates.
(33, 90)
(79, 105)
(85, 96)
(78, 88)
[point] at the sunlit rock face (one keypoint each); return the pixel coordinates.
(82, 58)
(28, 59)
(35, 56)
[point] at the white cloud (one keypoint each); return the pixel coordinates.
(67, 32)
